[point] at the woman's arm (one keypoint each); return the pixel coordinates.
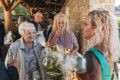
(52, 38)
(75, 44)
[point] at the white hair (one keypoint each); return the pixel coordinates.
(26, 26)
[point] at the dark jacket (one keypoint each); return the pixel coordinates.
(3, 71)
(8, 74)
(47, 33)
(2, 33)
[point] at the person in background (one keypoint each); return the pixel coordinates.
(39, 24)
(25, 54)
(44, 24)
(15, 33)
(100, 29)
(49, 27)
(12, 35)
(2, 33)
(21, 19)
(37, 20)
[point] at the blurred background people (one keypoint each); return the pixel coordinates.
(2, 33)
(49, 27)
(21, 19)
(37, 20)
(12, 35)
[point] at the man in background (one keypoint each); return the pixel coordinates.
(37, 20)
(49, 27)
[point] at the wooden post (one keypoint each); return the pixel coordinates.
(30, 9)
(8, 6)
(8, 20)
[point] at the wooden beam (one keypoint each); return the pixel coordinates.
(4, 5)
(16, 4)
(66, 2)
(54, 3)
(7, 3)
(62, 2)
(12, 2)
(30, 10)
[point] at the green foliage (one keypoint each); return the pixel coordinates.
(52, 65)
(118, 22)
(1, 10)
(20, 10)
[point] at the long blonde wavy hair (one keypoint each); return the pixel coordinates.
(60, 17)
(106, 37)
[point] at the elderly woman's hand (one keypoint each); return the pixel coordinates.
(16, 63)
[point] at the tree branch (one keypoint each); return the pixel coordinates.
(4, 5)
(7, 3)
(16, 3)
(12, 2)
(30, 11)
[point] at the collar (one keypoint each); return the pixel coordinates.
(22, 44)
(49, 26)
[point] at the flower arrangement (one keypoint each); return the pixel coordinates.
(60, 64)
(52, 63)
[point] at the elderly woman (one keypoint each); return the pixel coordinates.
(103, 46)
(61, 35)
(25, 54)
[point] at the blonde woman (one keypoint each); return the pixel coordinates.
(61, 35)
(101, 31)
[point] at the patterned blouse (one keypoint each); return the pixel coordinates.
(30, 62)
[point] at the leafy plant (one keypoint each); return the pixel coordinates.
(51, 64)
(1, 9)
(118, 21)
(20, 10)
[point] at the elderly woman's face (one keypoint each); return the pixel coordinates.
(29, 35)
(87, 29)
